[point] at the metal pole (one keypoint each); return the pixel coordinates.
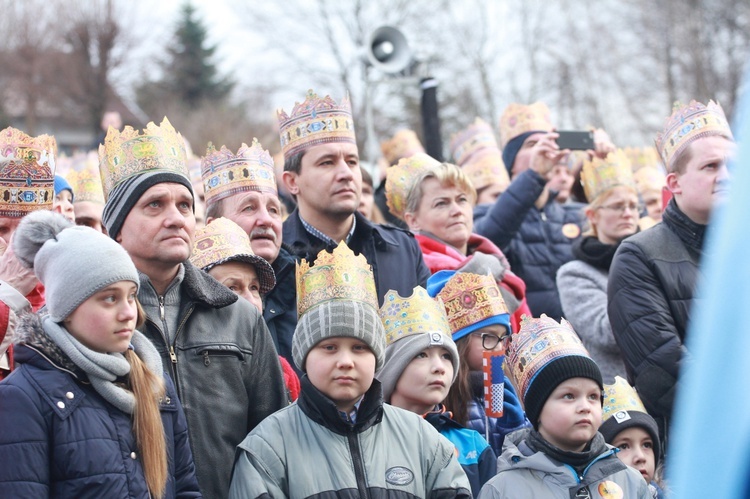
(372, 143)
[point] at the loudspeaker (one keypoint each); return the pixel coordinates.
(388, 50)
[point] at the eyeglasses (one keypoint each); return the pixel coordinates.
(621, 207)
(490, 341)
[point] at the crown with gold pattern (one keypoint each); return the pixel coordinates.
(130, 152)
(315, 121)
(82, 173)
(486, 168)
(400, 179)
(520, 118)
(650, 178)
(403, 144)
(27, 172)
(470, 299)
(416, 314)
(538, 342)
(335, 276)
(477, 136)
(225, 173)
(642, 156)
(688, 123)
(599, 175)
(620, 396)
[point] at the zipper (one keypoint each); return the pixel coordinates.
(161, 307)
(359, 468)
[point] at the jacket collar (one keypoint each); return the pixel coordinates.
(202, 288)
(690, 233)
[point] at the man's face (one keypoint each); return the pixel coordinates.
(8, 227)
(158, 231)
(259, 214)
(89, 214)
(560, 180)
(525, 155)
(705, 178)
(329, 183)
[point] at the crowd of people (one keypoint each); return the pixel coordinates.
(508, 324)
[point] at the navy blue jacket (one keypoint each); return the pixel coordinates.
(60, 438)
(536, 242)
(280, 307)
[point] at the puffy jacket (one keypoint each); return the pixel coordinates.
(308, 451)
(650, 291)
(522, 472)
(225, 368)
(393, 253)
(280, 307)
(60, 438)
(536, 242)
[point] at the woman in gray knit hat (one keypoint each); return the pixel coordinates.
(89, 411)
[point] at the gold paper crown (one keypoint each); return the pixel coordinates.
(688, 123)
(83, 176)
(486, 168)
(519, 118)
(27, 172)
(224, 241)
(477, 136)
(224, 173)
(620, 396)
(315, 121)
(335, 276)
(642, 156)
(537, 343)
(471, 298)
(650, 178)
(417, 314)
(599, 175)
(403, 144)
(400, 179)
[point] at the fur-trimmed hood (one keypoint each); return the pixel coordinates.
(30, 333)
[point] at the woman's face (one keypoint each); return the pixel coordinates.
(446, 212)
(617, 217)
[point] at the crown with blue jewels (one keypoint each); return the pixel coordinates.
(27, 172)
(415, 314)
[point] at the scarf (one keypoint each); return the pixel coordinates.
(578, 460)
(690, 233)
(594, 252)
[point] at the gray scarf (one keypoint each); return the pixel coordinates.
(103, 369)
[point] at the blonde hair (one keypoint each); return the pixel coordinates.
(446, 174)
(598, 202)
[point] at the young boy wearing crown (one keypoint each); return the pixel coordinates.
(563, 455)
(339, 438)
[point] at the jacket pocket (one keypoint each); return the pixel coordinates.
(221, 352)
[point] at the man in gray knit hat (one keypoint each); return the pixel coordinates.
(216, 348)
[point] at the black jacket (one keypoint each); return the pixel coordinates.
(280, 308)
(394, 254)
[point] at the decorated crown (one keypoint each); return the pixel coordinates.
(335, 276)
(620, 396)
(599, 175)
(537, 343)
(316, 121)
(687, 123)
(129, 153)
(471, 298)
(224, 173)
(403, 144)
(82, 173)
(417, 314)
(486, 168)
(400, 178)
(642, 156)
(519, 118)
(477, 136)
(650, 178)
(27, 172)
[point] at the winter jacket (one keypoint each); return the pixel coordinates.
(280, 305)
(12, 306)
(225, 368)
(536, 242)
(583, 295)
(61, 438)
(650, 293)
(309, 451)
(522, 472)
(441, 256)
(393, 253)
(473, 452)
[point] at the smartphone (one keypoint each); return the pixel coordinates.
(575, 140)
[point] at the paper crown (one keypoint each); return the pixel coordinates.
(599, 175)
(620, 396)
(471, 298)
(82, 173)
(27, 172)
(400, 179)
(416, 314)
(225, 174)
(477, 136)
(688, 123)
(650, 178)
(316, 121)
(129, 153)
(486, 168)
(335, 276)
(538, 342)
(403, 144)
(641, 157)
(223, 241)
(520, 118)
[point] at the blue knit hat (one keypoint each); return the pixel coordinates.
(62, 185)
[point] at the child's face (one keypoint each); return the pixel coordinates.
(106, 320)
(63, 204)
(342, 368)
(637, 451)
(572, 414)
(475, 346)
(425, 381)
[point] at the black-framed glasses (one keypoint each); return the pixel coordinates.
(490, 341)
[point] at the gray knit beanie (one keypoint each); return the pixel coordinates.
(73, 262)
(349, 318)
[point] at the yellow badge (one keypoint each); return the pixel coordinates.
(571, 231)
(610, 490)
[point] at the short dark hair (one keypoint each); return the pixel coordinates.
(215, 209)
(294, 163)
(366, 177)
